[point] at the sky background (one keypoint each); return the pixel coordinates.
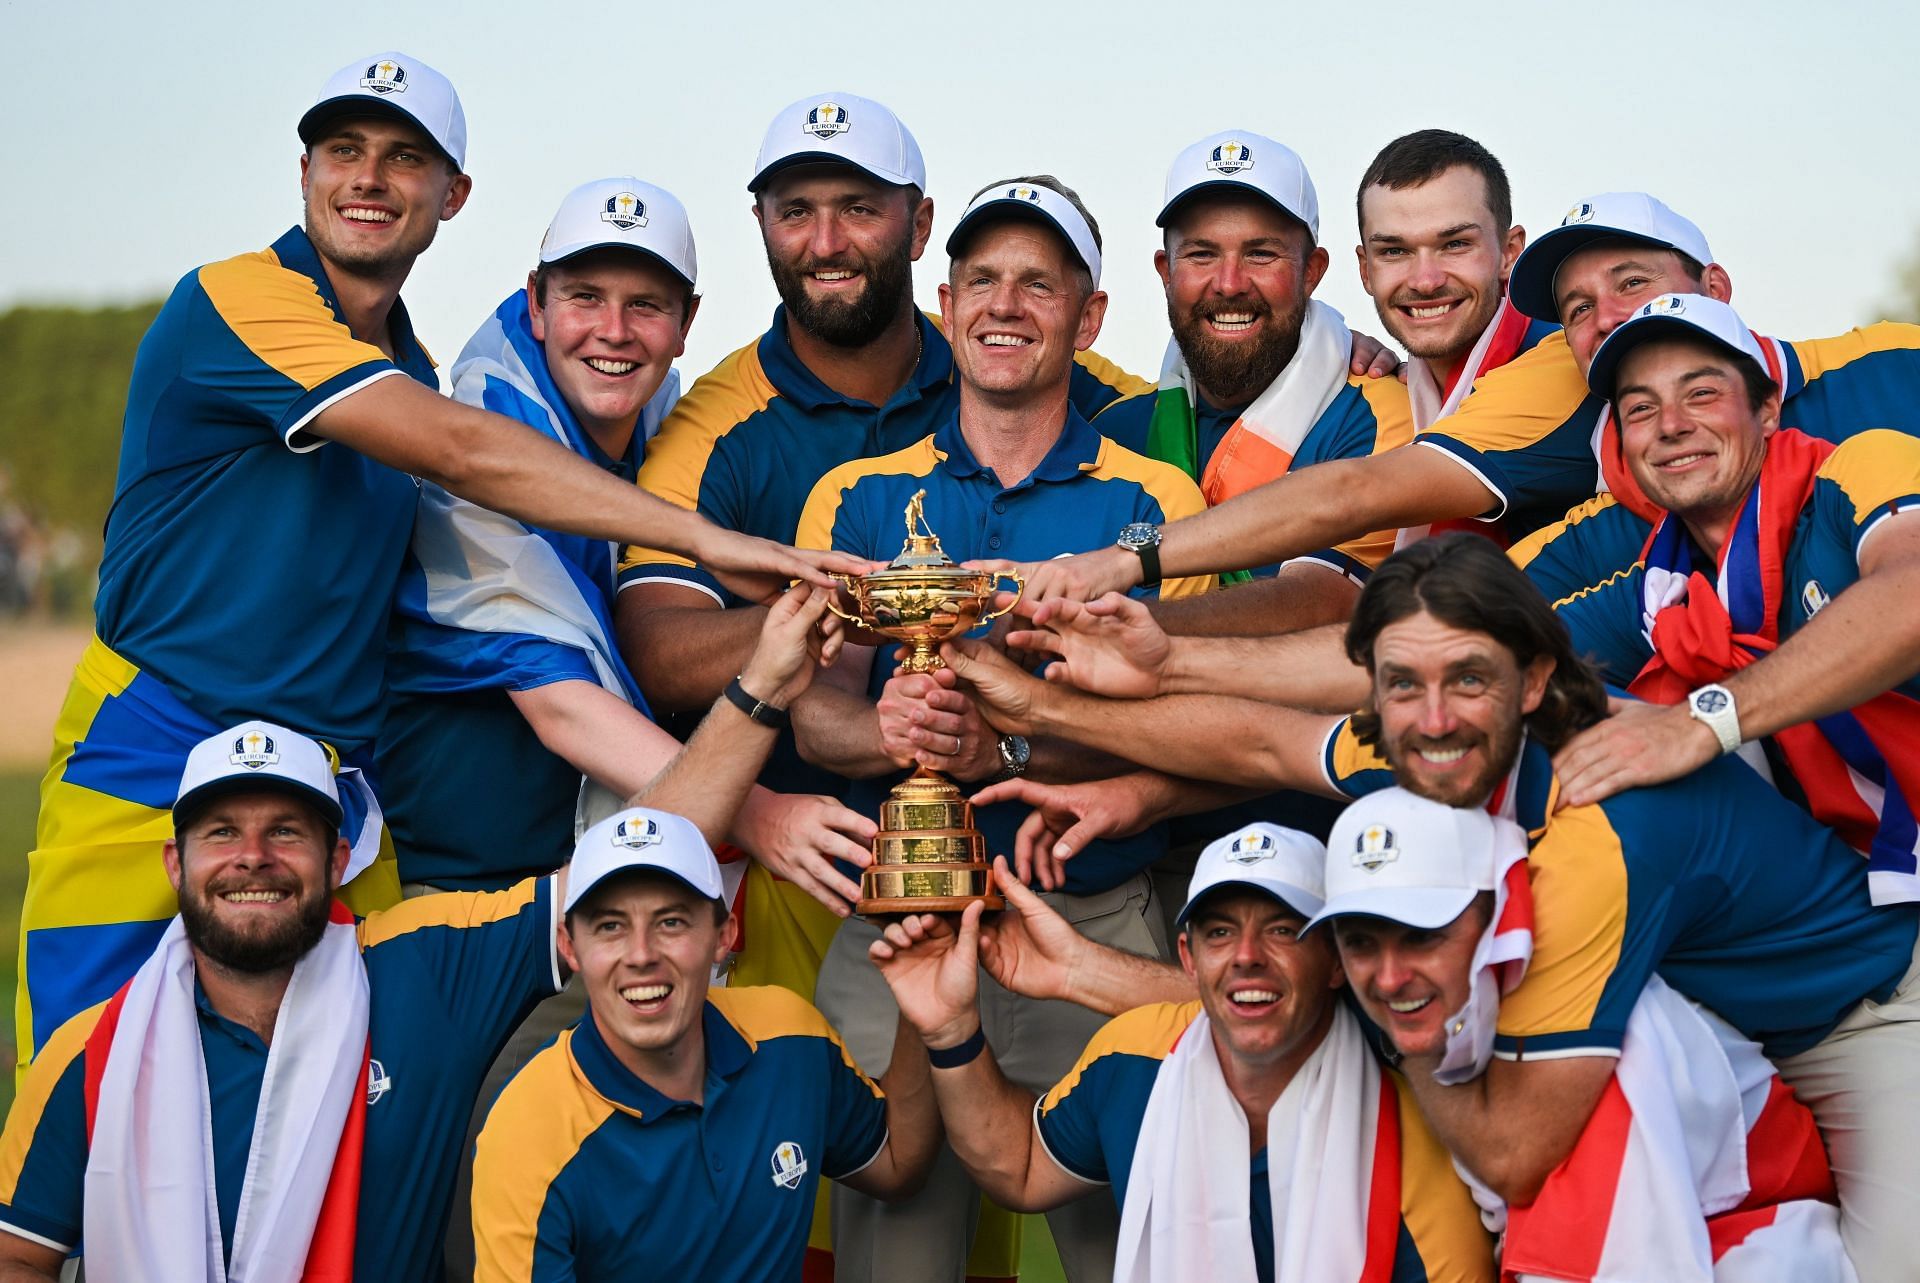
(146, 139)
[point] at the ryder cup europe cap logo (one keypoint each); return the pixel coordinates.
(789, 1164)
(1230, 158)
(253, 751)
(1023, 193)
(826, 120)
(386, 77)
(625, 211)
(1665, 305)
(1251, 847)
(1581, 213)
(636, 832)
(1374, 847)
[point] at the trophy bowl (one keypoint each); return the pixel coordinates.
(927, 857)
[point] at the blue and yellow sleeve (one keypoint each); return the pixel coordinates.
(1097, 383)
(1525, 430)
(271, 343)
(1436, 1209)
(1353, 769)
(43, 1153)
(1867, 479)
(1606, 623)
(856, 1108)
(1593, 542)
(523, 1222)
(1588, 967)
(1110, 1083)
(485, 957)
(1167, 494)
(685, 466)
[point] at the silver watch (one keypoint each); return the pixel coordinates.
(1713, 705)
(1015, 752)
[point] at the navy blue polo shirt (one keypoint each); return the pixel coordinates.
(1078, 497)
(584, 1171)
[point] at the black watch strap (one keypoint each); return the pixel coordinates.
(1149, 555)
(759, 710)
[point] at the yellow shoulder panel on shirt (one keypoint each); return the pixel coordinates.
(1350, 756)
(1579, 875)
(1112, 375)
(1149, 1031)
(43, 1075)
(1434, 1202)
(823, 503)
(1151, 389)
(1392, 409)
(1874, 468)
(1527, 549)
(1521, 402)
(1824, 356)
(763, 1012)
(447, 909)
(541, 1118)
(280, 316)
(676, 458)
(1167, 485)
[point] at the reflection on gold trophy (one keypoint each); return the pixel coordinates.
(928, 857)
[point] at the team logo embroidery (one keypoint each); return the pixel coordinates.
(1230, 158)
(1374, 847)
(253, 751)
(387, 77)
(789, 1164)
(826, 120)
(378, 1082)
(1251, 847)
(1710, 702)
(636, 833)
(1666, 305)
(1581, 213)
(1023, 193)
(1813, 597)
(625, 211)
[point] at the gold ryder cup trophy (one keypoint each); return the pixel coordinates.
(928, 857)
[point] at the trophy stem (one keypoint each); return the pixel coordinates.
(923, 658)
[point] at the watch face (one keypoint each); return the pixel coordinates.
(1710, 701)
(1139, 534)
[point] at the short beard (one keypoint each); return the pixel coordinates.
(1234, 371)
(252, 953)
(1502, 749)
(854, 323)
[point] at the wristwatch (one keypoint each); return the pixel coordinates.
(1142, 539)
(1713, 705)
(1015, 752)
(758, 709)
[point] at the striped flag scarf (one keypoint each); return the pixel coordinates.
(1860, 767)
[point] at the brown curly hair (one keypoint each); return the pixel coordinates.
(1465, 582)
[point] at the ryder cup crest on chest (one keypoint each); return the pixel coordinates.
(789, 1164)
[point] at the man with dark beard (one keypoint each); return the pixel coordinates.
(271, 1054)
(1256, 381)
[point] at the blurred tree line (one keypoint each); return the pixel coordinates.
(63, 387)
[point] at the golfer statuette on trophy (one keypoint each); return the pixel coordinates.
(928, 857)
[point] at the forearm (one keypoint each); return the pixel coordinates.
(989, 1124)
(710, 778)
(1108, 980)
(683, 656)
(1299, 596)
(598, 733)
(839, 731)
(1864, 642)
(1303, 670)
(1506, 1132)
(913, 1121)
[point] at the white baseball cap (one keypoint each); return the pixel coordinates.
(639, 838)
(622, 213)
(1239, 160)
(1032, 201)
(845, 128)
(393, 84)
(258, 757)
(1674, 315)
(1405, 858)
(1284, 863)
(1633, 216)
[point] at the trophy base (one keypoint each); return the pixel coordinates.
(927, 857)
(899, 905)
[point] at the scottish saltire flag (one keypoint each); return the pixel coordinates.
(488, 602)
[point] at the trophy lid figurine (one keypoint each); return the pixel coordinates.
(928, 857)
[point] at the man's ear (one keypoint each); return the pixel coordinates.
(1093, 314)
(563, 943)
(457, 193)
(1186, 952)
(1533, 682)
(922, 227)
(170, 857)
(342, 856)
(729, 932)
(1316, 267)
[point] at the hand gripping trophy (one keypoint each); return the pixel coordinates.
(928, 857)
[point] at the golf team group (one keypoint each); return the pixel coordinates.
(1456, 819)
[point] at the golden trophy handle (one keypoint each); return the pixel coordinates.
(846, 581)
(1019, 586)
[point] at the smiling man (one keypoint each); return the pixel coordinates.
(279, 412)
(1249, 1135)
